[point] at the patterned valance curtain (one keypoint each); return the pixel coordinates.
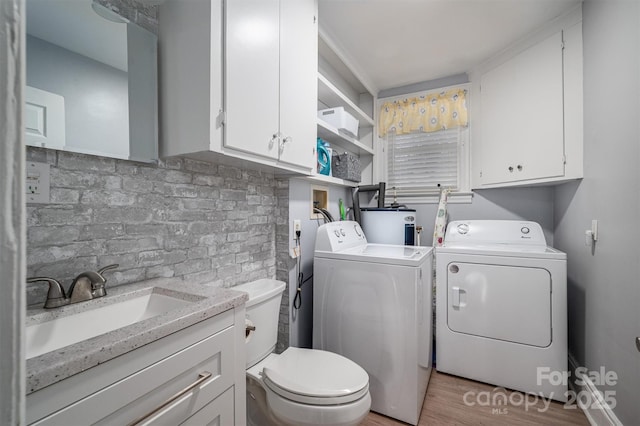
(426, 113)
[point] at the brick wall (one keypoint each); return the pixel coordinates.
(180, 218)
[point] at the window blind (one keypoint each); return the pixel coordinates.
(418, 163)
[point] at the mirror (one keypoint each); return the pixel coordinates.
(91, 81)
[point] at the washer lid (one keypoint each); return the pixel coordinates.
(317, 377)
(382, 253)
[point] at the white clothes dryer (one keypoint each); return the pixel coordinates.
(501, 307)
(372, 304)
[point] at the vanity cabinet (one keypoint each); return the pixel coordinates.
(203, 364)
(530, 121)
(238, 78)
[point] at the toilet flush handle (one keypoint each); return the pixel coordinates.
(248, 329)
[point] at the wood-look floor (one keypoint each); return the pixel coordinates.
(444, 405)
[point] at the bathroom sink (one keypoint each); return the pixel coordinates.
(93, 321)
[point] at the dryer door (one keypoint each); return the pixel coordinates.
(500, 302)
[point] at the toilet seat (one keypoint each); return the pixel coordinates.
(315, 377)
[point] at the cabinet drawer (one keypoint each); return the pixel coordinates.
(218, 412)
(147, 389)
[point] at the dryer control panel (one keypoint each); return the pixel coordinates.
(337, 236)
(495, 232)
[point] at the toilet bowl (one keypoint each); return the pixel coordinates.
(299, 386)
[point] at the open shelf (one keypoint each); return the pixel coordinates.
(330, 134)
(332, 97)
(332, 180)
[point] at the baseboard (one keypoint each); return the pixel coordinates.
(598, 414)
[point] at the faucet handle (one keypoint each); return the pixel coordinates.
(55, 296)
(98, 287)
(108, 267)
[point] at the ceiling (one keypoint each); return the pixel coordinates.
(394, 43)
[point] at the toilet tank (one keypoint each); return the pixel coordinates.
(263, 312)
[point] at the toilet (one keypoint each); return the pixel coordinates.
(299, 386)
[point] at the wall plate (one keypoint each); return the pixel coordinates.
(37, 182)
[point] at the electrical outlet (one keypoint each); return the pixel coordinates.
(37, 182)
(297, 225)
(33, 183)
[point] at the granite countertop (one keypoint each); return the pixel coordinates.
(54, 366)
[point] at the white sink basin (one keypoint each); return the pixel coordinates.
(67, 330)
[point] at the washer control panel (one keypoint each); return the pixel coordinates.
(337, 236)
(495, 232)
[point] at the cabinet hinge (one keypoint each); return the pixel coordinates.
(221, 119)
(562, 45)
(564, 159)
(315, 19)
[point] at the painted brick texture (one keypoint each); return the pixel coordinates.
(204, 222)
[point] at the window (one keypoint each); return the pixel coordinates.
(425, 138)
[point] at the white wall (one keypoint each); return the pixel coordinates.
(603, 284)
(535, 204)
(12, 214)
(96, 97)
(301, 321)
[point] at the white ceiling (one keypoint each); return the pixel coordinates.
(394, 43)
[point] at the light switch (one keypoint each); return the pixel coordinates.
(37, 183)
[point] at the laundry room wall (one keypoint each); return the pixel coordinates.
(603, 290)
(300, 322)
(535, 204)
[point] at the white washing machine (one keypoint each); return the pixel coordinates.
(371, 304)
(501, 306)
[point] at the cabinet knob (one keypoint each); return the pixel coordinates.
(511, 169)
(273, 140)
(519, 167)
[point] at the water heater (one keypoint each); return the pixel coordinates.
(389, 225)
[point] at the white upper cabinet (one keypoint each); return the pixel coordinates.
(252, 76)
(522, 128)
(298, 81)
(239, 78)
(528, 124)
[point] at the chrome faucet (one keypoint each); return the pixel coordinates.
(56, 296)
(86, 286)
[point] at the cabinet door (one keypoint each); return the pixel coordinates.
(252, 76)
(146, 390)
(44, 119)
(298, 81)
(522, 116)
(218, 412)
